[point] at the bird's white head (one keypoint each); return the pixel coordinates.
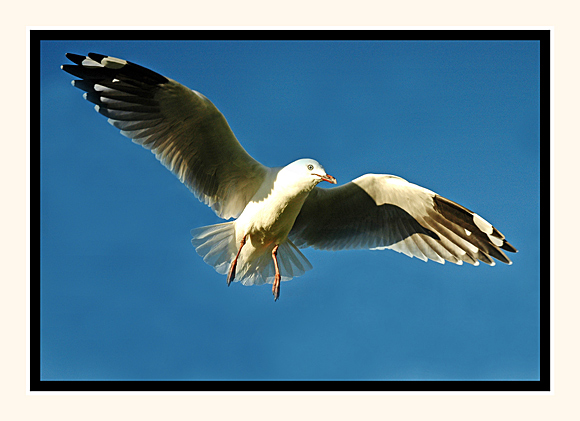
(308, 171)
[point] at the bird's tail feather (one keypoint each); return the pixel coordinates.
(217, 245)
(262, 271)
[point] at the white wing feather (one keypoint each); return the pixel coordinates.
(383, 211)
(184, 130)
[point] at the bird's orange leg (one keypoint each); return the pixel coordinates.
(276, 284)
(232, 273)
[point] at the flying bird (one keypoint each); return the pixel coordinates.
(276, 210)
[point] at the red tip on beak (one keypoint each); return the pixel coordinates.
(328, 178)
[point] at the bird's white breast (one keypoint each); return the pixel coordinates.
(269, 216)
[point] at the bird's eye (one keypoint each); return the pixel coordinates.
(310, 167)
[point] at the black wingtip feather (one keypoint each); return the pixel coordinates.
(508, 247)
(128, 72)
(463, 217)
(83, 85)
(75, 58)
(144, 74)
(135, 71)
(94, 74)
(97, 57)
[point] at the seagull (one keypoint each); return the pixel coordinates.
(276, 211)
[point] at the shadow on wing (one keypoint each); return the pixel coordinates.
(347, 217)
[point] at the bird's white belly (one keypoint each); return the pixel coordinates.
(267, 223)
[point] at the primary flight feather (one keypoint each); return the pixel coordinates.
(277, 210)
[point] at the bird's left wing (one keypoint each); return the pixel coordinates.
(383, 211)
(184, 130)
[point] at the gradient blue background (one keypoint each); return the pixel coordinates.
(125, 296)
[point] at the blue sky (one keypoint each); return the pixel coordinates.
(125, 296)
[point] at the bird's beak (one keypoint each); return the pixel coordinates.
(327, 177)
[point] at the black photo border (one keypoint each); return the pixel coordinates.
(543, 36)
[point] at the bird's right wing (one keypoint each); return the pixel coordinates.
(383, 211)
(184, 130)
